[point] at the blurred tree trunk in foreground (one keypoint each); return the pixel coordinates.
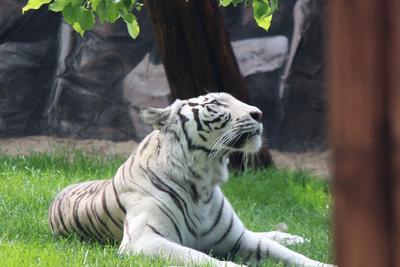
(365, 130)
(197, 54)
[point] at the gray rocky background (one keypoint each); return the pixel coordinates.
(53, 82)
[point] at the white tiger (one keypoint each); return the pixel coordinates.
(166, 199)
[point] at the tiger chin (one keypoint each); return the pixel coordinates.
(165, 199)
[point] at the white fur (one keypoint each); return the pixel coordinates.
(170, 187)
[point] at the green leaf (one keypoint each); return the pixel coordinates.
(80, 18)
(264, 22)
(127, 17)
(58, 5)
(86, 19)
(131, 24)
(133, 29)
(263, 12)
(76, 2)
(274, 5)
(236, 2)
(69, 14)
(138, 6)
(107, 10)
(128, 4)
(34, 4)
(261, 8)
(225, 3)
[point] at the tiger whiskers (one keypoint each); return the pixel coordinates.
(228, 137)
(217, 146)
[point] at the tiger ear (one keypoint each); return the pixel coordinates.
(156, 117)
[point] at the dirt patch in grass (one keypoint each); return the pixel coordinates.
(43, 144)
(318, 163)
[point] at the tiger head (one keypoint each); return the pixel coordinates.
(213, 123)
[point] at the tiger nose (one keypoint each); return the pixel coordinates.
(256, 115)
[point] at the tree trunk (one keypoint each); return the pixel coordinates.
(392, 55)
(196, 52)
(365, 130)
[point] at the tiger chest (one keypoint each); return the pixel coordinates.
(196, 224)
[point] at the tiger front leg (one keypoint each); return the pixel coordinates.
(140, 237)
(256, 247)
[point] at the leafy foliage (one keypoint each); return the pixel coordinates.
(80, 18)
(226, 3)
(81, 14)
(262, 10)
(35, 4)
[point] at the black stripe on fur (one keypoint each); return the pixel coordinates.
(217, 219)
(226, 233)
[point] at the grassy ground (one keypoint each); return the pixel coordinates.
(28, 184)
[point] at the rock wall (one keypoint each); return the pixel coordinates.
(28, 56)
(54, 82)
(303, 89)
(86, 98)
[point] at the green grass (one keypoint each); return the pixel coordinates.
(262, 200)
